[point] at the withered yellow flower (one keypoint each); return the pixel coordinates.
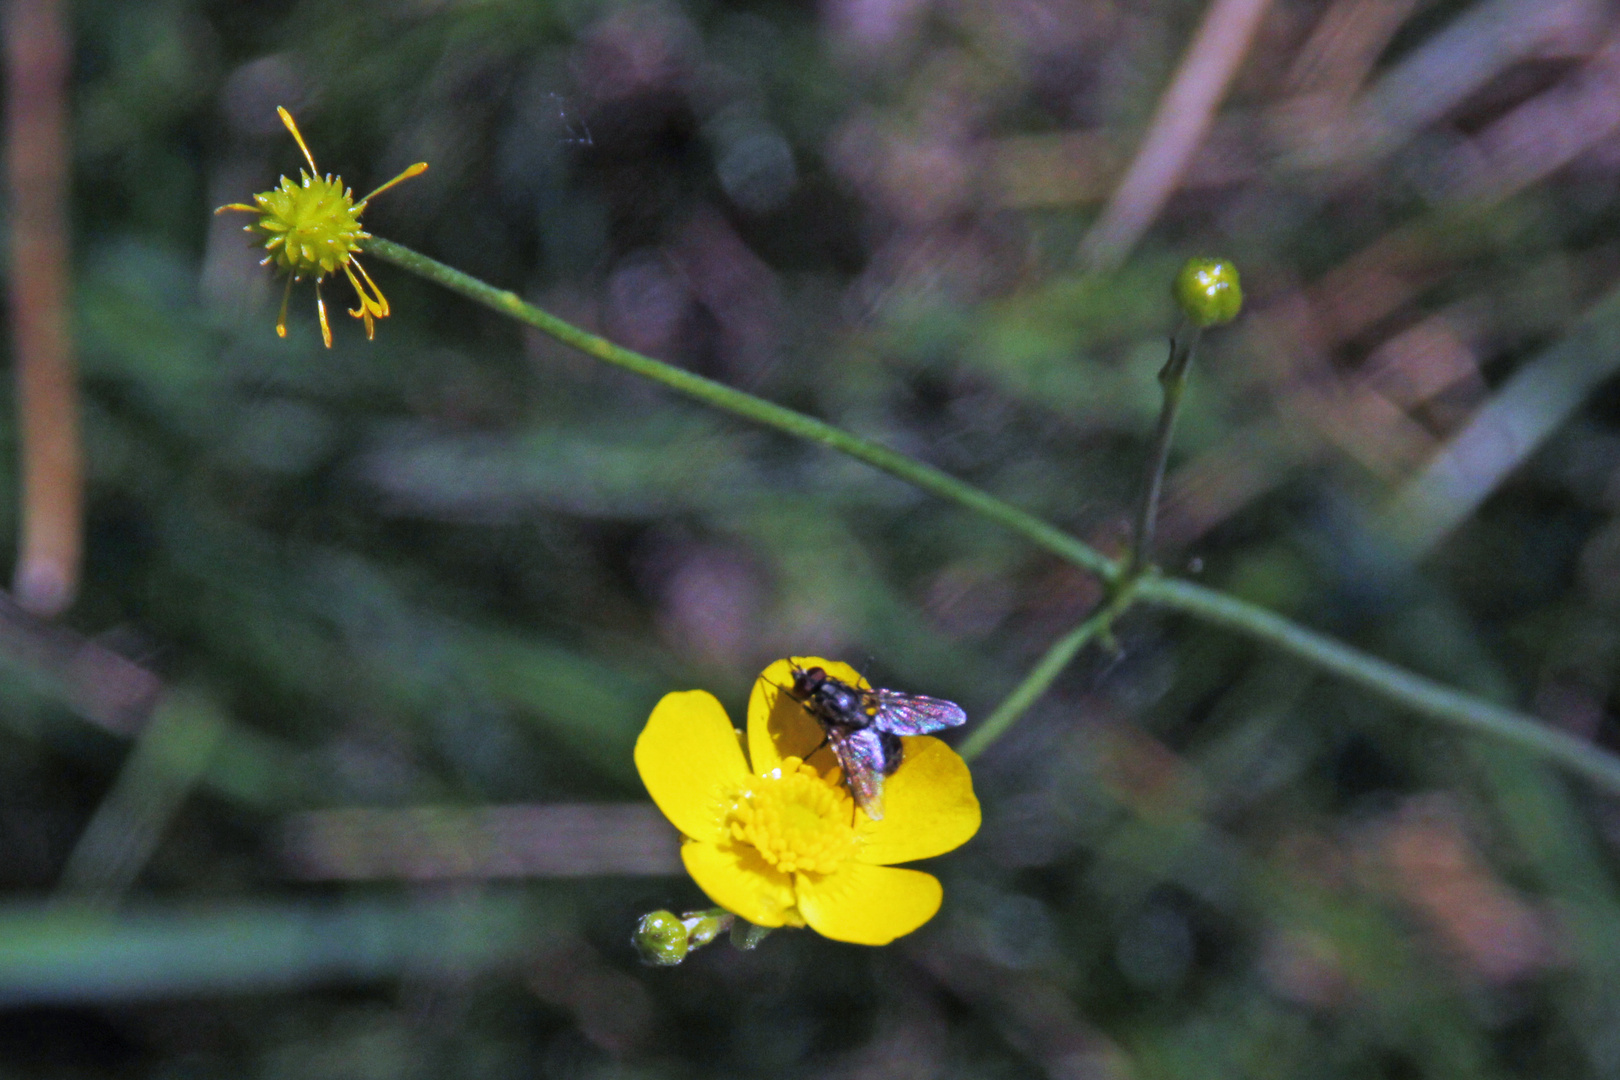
(311, 228)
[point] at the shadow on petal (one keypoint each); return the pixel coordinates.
(778, 726)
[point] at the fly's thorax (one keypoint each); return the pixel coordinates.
(846, 703)
(834, 703)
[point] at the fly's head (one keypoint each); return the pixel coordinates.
(807, 682)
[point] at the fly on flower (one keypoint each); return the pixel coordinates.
(864, 727)
(774, 837)
(312, 228)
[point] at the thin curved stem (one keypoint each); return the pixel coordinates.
(1043, 674)
(724, 397)
(1423, 696)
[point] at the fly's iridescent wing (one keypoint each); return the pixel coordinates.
(864, 755)
(914, 714)
(864, 728)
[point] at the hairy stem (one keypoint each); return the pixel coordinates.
(724, 397)
(1423, 696)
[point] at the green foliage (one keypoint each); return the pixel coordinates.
(453, 568)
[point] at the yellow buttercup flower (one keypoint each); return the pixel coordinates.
(774, 837)
(312, 228)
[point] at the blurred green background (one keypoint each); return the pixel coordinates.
(409, 602)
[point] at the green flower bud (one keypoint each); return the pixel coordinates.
(661, 939)
(703, 927)
(1208, 292)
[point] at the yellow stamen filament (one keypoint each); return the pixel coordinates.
(281, 320)
(374, 305)
(320, 308)
(415, 170)
(382, 301)
(286, 118)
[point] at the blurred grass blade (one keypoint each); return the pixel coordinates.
(426, 843)
(1533, 404)
(68, 955)
(1179, 127)
(158, 775)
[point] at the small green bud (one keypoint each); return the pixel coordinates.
(703, 927)
(661, 939)
(746, 936)
(1208, 292)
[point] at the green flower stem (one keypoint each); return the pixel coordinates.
(1041, 676)
(1423, 696)
(1173, 378)
(721, 396)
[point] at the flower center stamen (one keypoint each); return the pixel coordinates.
(795, 819)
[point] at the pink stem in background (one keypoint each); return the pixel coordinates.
(1179, 125)
(37, 59)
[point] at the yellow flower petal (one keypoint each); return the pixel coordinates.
(736, 878)
(867, 905)
(689, 758)
(778, 726)
(928, 806)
